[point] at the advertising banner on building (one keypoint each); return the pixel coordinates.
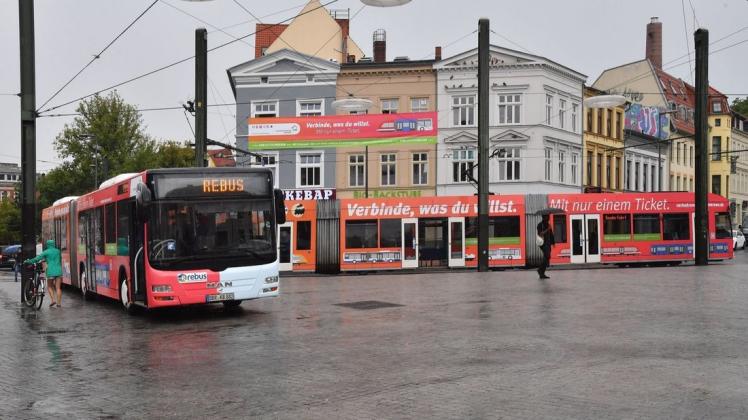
(648, 120)
(342, 131)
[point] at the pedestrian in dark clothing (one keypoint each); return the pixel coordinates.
(546, 233)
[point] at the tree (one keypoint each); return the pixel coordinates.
(10, 222)
(740, 106)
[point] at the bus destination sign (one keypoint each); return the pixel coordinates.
(171, 186)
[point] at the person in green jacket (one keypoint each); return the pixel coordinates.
(53, 258)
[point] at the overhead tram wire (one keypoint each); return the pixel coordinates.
(168, 66)
(97, 56)
(685, 32)
(265, 16)
(216, 28)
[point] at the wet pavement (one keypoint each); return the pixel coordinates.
(595, 343)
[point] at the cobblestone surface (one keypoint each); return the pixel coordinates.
(595, 343)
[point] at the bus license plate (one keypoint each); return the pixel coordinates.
(220, 297)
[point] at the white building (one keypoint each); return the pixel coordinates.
(535, 124)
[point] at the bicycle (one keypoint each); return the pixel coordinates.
(34, 292)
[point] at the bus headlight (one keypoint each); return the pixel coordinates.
(271, 279)
(161, 288)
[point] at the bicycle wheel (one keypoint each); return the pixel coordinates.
(29, 293)
(39, 295)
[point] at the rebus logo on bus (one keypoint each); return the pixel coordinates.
(223, 185)
(192, 277)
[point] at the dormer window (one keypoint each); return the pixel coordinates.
(717, 107)
(264, 80)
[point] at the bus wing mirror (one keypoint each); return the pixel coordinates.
(280, 207)
(142, 201)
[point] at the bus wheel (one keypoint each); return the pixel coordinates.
(124, 296)
(230, 304)
(83, 283)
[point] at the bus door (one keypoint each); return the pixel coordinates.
(585, 238)
(285, 246)
(456, 241)
(410, 243)
(88, 242)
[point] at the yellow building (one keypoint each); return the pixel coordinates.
(720, 130)
(603, 147)
(402, 170)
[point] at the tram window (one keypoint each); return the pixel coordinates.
(390, 233)
(559, 228)
(361, 234)
(99, 231)
(504, 230)
(63, 240)
(123, 227)
(471, 227)
(675, 227)
(303, 236)
(722, 226)
(111, 224)
(646, 227)
(617, 227)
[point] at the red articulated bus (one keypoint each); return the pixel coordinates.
(608, 228)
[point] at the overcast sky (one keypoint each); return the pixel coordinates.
(586, 35)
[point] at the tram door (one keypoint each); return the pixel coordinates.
(410, 243)
(285, 246)
(585, 238)
(456, 241)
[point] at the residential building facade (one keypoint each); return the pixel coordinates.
(739, 178)
(603, 156)
(286, 84)
(10, 178)
(720, 132)
(394, 170)
(535, 126)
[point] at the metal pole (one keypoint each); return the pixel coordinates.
(366, 171)
(28, 134)
(201, 95)
(659, 167)
(483, 114)
(701, 40)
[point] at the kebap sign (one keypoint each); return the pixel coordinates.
(342, 131)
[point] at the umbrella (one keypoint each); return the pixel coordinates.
(549, 210)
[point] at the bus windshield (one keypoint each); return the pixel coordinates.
(213, 234)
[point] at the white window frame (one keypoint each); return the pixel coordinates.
(574, 116)
(510, 161)
(562, 166)
(302, 113)
(548, 168)
(422, 104)
(508, 104)
(464, 158)
(470, 108)
(419, 160)
(266, 114)
(574, 167)
(263, 159)
(300, 166)
(391, 164)
(561, 112)
(389, 108)
(548, 108)
(357, 164)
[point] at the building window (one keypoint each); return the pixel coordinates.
(270, 161)
(388, 165)
(313, 108)
(599, 113)
(618, 173)
(561, 112)
(420, 169)
(310, 170)
(619, 125)
(608, 179)
(548, 162)
(509, 109)
(265, 109)
(716, 148)
(390, 106)
(509, 164)
(574, 160)
(628, 175)
(463, 111)
(561, 166)
(717, 184)
(717, 107)
(419, 104)
(589, 168)
(356, 170)
(644, 177)
(463, 165)
(636, 176)
(608, 123)
(599, 180)
(548, 108)
(574, 116)
(718, 122)
(589, 120)
(358, 112)
(690, 155)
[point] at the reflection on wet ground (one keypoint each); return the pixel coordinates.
(652, 342)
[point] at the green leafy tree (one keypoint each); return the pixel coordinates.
(10, 222)
(740, 105)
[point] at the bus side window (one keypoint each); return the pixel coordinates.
(99, 231)
(123, 227)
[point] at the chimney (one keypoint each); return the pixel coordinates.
(438, 53)
(380, 46)
(654, 42)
